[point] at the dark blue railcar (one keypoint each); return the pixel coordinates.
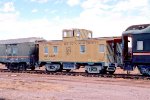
(136, 48)
(19, 54)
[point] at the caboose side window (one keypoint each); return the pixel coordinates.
(45, 50)
(55, 49)
(101, 48)
(139, 45)
(8, 50)
(14, 51)
(82, 48)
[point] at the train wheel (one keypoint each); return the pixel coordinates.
(8, 67)
(32, 68)
(68, 70)
(61, 68)
(12, 67)
(147, 72)
(111, 72)
(128, 72)
(86, 71)
(47, 71)
(22, 67)
(144, 70)
(103, 71)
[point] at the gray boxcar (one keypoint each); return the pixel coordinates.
(19, 54)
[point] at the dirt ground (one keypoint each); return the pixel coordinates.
(23, 86)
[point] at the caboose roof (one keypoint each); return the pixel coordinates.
(21, 40)
(138, 29)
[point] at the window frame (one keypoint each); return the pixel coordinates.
(46, 50)
(67, 34)
(84, 50)
(140, 45)
(55, 49)
(14, 51)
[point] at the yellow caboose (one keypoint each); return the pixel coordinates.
(78, 48)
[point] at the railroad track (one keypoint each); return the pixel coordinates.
(123, 76)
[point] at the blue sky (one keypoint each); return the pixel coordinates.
(47, 18)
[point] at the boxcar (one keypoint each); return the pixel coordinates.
(78, 48)
(138, 36)
(20, 53)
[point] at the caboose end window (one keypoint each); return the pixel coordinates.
(139, 45)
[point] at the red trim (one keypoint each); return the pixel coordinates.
(118, 40)
(115, 40)
(143, 53)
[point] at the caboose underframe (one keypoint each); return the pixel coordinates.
(90, 67)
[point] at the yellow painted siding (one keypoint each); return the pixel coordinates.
(69, 51)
